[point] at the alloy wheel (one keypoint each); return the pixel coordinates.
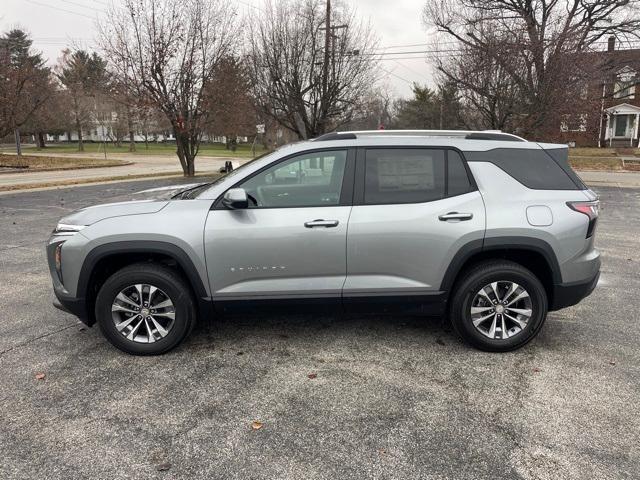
(143, 313)
(501, 310)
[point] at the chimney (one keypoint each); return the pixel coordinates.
(611, 44)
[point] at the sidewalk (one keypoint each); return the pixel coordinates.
(610, 179)
(141, 165)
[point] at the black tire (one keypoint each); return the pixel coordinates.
(165, 279)
(473, 280)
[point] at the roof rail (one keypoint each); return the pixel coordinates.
(466, 134)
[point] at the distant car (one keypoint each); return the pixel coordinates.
(483, 226)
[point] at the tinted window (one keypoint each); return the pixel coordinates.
(307, 180)
(457, 178)
(561, 157)
(533, 168)
(403, 175)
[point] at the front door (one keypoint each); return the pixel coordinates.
(621, 125)
(291, 241)
(414, 208)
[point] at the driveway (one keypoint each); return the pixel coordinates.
(388, 397)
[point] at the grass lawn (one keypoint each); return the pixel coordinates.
(210, 149)
(600, 158)
(43, 163)
(595, 163)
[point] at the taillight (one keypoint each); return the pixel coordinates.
(590, 209)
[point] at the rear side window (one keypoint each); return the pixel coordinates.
(457, 178)
(532, 168)
(561, 157)
(404, 175)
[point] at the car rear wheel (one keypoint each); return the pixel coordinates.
(498, 306)
(145, 309)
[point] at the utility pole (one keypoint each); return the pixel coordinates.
(327, 54)
(18, 146)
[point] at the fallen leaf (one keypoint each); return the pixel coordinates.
(40, 376)
(256, 425)
(163, 467)
(312, 375)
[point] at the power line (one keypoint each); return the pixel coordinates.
(250, 5)
(60, 9)
(70, 2)
(397, 76)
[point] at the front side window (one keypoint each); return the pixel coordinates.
(404, 175)
(308, 180)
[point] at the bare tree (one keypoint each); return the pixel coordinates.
(310, 66)
(167, 50)
(531, 47)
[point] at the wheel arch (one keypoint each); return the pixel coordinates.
(105, 259)
(532, 253)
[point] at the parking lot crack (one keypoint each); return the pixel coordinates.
(35, 339)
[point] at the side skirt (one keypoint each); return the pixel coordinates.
(425, 304)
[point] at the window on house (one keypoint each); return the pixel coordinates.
(625, 84)
(574, 123)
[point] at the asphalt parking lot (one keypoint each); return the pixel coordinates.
(392, 397)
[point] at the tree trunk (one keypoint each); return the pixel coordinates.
(132, 140)
(40, 142)
(187, 159)
(80, 142)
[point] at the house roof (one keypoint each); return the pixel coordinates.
(623, 109)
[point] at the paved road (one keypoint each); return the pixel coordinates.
(393, 398)
(140, 165)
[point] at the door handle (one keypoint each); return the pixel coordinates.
(455, 216)
(321, 223)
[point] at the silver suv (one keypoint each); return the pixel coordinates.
(485, 227)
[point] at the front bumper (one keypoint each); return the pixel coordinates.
(64, 300)
(567, 294)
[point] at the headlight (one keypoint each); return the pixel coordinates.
(66, 229)
(58, 260)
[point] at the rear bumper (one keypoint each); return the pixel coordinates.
(567, 294)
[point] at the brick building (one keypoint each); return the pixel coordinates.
(611, 115)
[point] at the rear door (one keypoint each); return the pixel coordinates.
(291, 241)
(414, 208)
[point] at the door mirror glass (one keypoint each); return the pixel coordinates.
(235, 198)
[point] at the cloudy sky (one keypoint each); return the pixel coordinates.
(55, 24)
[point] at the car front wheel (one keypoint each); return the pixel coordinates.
(498, 306)
(145, 309)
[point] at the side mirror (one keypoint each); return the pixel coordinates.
(235, 199)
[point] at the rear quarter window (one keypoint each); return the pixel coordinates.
(532, 168)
